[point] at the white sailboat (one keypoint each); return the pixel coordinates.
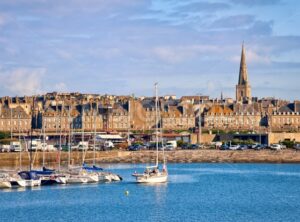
(29, 178)
(74, 179)
(153, 174)
(80, 175)
(102, 175)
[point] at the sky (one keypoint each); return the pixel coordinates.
(123, 47)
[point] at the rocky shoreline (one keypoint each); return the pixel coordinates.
(11, 160)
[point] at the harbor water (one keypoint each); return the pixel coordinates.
(195, 192)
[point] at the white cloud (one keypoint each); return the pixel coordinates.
(252, 57)
(180, 53)
(23, 81)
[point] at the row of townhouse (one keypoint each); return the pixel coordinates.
(14, 119)
(56, 113)
(253, 117)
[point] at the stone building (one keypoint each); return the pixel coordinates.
(119, 117)
(58, 118)
(234, 117)
(286, 118)
(178, 117)
(88, 118)
(14, 120)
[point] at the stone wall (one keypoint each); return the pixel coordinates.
(277, 137)
(11, 160)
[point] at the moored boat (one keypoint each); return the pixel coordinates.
(75, 179)
(152, 174)
(5, 181)
(29, 179)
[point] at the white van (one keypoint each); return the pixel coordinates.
(171, 145)
(15, 146)
(35, 145)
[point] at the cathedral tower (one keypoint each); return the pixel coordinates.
(243, 89)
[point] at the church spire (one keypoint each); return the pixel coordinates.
(243, 76)
(243, 88)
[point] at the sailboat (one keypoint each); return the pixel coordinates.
(15, 179)
(80, 175)
(153, 174)
(49, 176)
(29, 178)
(102, 175)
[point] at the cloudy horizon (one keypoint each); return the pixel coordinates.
(122, 47)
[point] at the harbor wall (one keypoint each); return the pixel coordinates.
(11, 160)
(278, 137)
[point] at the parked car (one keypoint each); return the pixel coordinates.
(194, 146)
(297, 146)
(51, 148)
(283, 146)
(224, 147)
(243, 147)
(185, 146)
(136, 147)
(260, 147)
(253, 146)
(169, 147)
(275, 146)
(234, 147)
(5, 148)
(152, 146)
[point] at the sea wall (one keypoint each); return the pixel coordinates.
(11, 160)
(278, 137)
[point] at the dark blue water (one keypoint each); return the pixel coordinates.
(195, 192)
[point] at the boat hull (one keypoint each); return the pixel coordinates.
(151, 179)
(5, 184)
(29, 183)
(92, 178)
(77, 179)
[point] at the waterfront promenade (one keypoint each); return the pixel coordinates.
(11, 160)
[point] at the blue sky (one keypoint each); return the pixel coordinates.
(124, 46)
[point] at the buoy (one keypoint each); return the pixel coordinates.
(126, 192)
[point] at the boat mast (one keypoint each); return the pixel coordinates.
(30, 156)
(94, 160)
(44, 141)
(156, 122)
(82, 132)
(128, 124)
(60, 132)
(11, 128)
(20, 163)
(69, 147)
(162, 139)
